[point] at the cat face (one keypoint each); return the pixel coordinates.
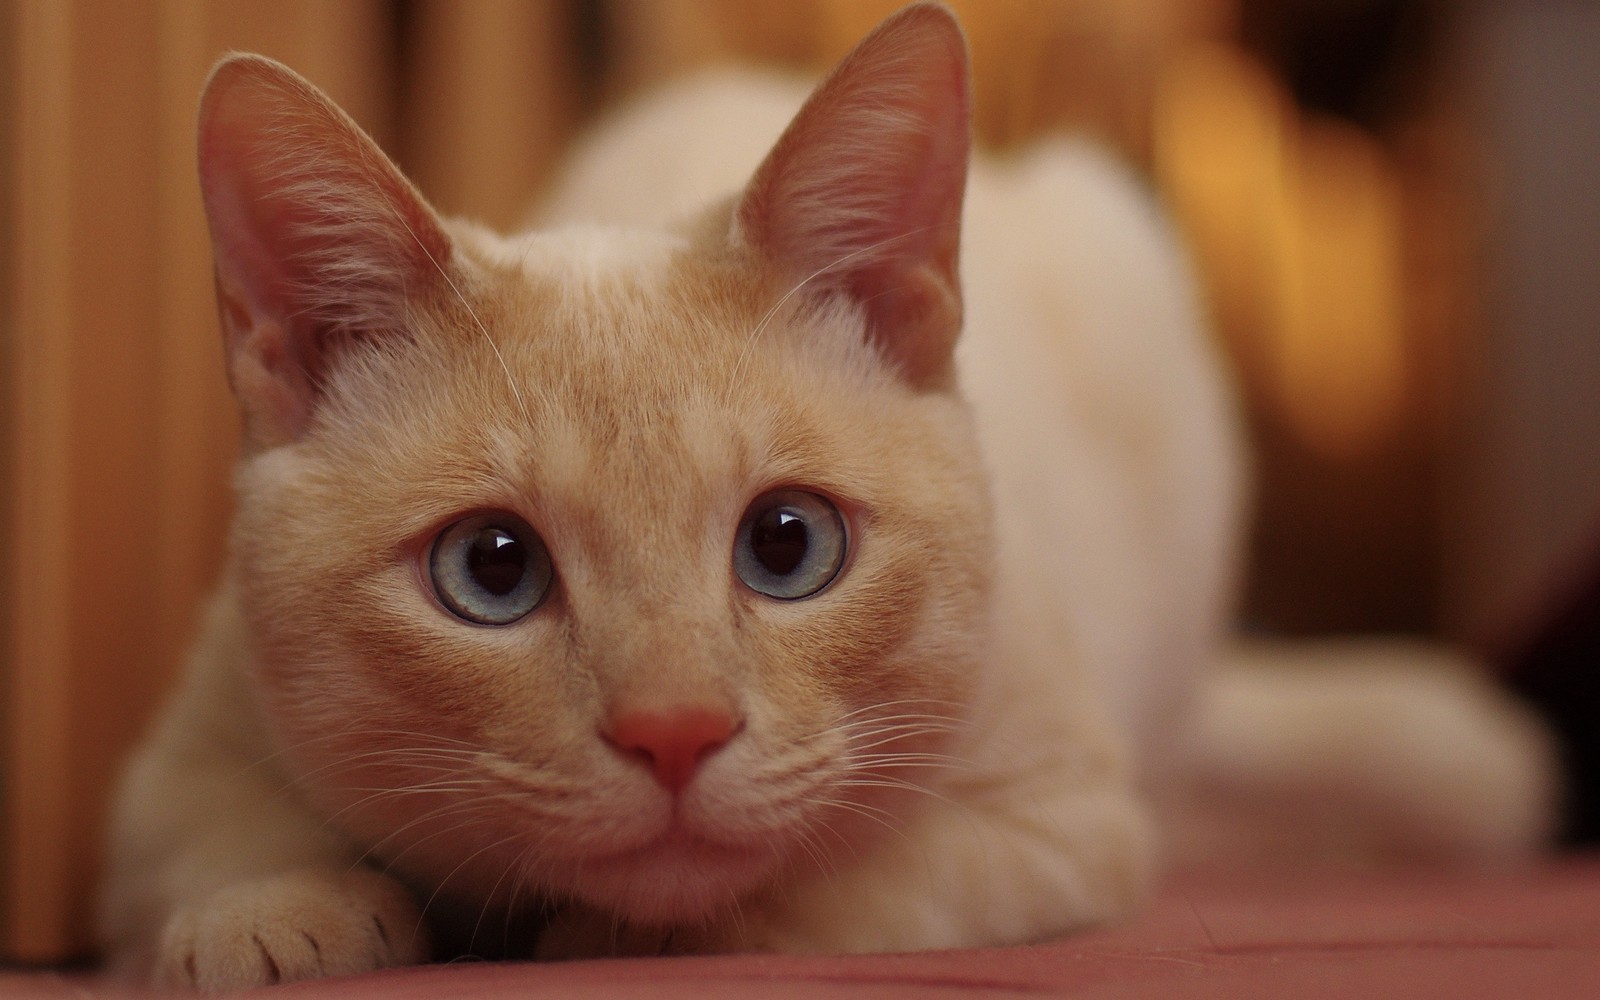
(649, 423)
(634, 567)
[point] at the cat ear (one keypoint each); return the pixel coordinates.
(862, 194)
(317, 238)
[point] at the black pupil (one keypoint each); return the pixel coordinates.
(496, 561)
(779, 540)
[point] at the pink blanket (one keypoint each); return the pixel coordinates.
(1527, 935)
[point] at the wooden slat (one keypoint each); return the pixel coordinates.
(118, 424)
(490, 101)
(81, 424)
(342, 47)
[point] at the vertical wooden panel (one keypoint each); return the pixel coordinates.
(490, 101)
(82, 511)
(343, 48)
(118, 423)
(196, 426)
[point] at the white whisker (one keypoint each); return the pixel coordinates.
(482, 329)
(767, 317)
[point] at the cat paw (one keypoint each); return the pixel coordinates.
(288, 927)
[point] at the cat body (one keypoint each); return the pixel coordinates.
(674, 572)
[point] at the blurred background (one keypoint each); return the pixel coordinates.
(1395, 205)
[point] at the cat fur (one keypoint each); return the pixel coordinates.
(964, 741)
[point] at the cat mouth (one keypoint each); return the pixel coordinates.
(675, 877)
(677, 846)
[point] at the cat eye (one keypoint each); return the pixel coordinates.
(490, 568)
(791, 544)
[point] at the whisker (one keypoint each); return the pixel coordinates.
(520, 864)
(404, 756)
(484, 330)
(879, 706)
(488, 898)
(864, 729)
(403, 791)
(891, 760)
(882, 817)
(881, 739)
(462, 864)
(766, 319)
(467, 806)
(819, 857)
(349, 733)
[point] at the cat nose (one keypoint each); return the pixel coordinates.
(672, 742)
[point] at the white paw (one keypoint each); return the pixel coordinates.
(297, 925)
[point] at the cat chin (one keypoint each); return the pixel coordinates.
(673, 881)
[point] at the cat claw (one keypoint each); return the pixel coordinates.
(289, 927)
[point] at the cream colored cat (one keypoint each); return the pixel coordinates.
(685, 577)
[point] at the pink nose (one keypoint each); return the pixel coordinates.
(672, 742)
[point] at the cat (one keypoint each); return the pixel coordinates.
(685, 579)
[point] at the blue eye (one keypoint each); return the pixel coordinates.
(490, 568)
(791, 544)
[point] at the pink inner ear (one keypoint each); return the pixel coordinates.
(316, 236)
(863, 192)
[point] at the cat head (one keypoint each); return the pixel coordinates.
(633, 566)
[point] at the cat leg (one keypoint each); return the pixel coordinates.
(982, 866)
(220, 882)
(301, 924)
(219, 877)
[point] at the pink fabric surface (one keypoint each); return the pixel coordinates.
(1414, 935)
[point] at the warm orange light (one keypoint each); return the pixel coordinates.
(1296, 226)
(1336, 327)
(1217, 152)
